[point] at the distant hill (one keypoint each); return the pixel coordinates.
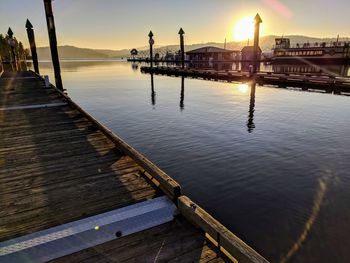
(70, 52)
(266, 43)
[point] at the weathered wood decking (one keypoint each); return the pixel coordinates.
(58, 164)
(328, 83)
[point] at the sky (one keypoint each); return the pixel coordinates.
(119, 24)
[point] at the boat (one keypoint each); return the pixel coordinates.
(337, 52)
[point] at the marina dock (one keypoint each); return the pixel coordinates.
(73, 191)
(305, 81)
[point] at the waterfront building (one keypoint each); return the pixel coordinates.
(337, 52)
(247, 53)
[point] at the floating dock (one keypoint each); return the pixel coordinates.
(328, 83)
(71, 190)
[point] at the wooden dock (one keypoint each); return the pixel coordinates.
(328, 83)
(59, 167)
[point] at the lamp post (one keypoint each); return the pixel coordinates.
(12, 44)
(182, 47)
(151, 43)
(31, 38)
(257, 21)
(53, 43)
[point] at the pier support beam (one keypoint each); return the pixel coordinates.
(257, 21)
(31, 39)
(182, 47)
(151, 42)
(53, 43)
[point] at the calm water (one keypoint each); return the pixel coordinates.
(274, 167)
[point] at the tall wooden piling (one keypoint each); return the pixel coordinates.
(53, 43)
(257, 21)
(31, 39)
(151, 42)
(182, 47)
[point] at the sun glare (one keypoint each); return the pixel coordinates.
(244, 29)
(243, 88)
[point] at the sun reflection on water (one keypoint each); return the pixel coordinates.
(243, 88)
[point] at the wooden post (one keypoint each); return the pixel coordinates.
(151, 42)
(257, 21)
(53, 43)
(31, 38)
(12, 44)
(182, 47)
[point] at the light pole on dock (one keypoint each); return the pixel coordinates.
(182, 47)
(257, 21)
(31, 38)
(151, 42)
(12, 44)
(53, 43)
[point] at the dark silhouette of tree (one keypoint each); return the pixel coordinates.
(5, 49)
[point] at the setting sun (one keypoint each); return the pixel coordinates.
(244, 29)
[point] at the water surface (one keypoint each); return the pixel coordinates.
(271, 165)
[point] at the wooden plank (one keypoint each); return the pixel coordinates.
(166, 183)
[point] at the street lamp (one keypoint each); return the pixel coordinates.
(151, 43)
(12, 44)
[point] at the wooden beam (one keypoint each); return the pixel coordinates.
(223, 237)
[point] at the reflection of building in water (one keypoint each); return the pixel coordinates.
(340, 70)
(212, 54)
(245, 66)
(182, 95)
(153, 94)
(135, 66)
(216, 66)
(250, 122)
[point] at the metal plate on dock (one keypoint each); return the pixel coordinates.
(35, 106)
(66, 239)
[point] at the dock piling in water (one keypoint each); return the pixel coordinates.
(257, 21)
(151, 42)
(182, 47)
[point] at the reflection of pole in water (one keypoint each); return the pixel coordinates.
(134, 66)
(153, 94)
(250, 123)
(182, 96)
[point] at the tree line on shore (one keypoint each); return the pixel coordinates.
(5, 49)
